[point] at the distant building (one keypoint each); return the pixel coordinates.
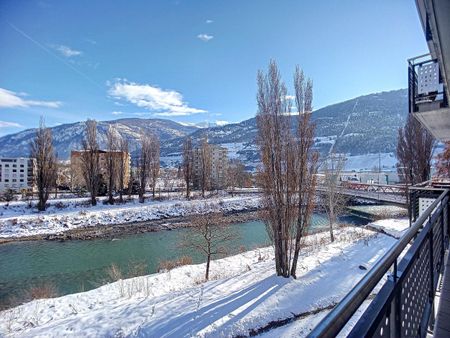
(77, 172)
(17, 173)
(218, 166)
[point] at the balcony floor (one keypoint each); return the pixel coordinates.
(442, 326)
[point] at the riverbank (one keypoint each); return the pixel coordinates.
(118, 230)
(243, 296)
(94, 222)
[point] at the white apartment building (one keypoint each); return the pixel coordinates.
(17, 173)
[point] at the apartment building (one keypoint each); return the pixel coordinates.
(218, 166)
(17, 173)
(76, 165)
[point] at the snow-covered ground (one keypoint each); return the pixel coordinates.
(381, 211)
(370, 161)
(392, 227)
(244, 295)
(17, 220)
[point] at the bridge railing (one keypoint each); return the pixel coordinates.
(404, 304)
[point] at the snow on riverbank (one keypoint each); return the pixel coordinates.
(72, 217)
(244, 295)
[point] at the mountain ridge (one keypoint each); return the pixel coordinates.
(365, 124)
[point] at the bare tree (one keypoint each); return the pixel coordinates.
(90, 160)
(205, 163)
(332, 199)
(414, 152)
(144, 166)
(306, 161)
(46, 165)
(209, 236)
(154, 162)
(111, 161)
(287, 175)
(443, 163)
(236, 175)
(277, 172)
(188, 162)
(122, 167)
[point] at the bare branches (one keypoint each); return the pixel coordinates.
(148, 164)
(204, 161)
(154, 162)
(209, 236)
(188, 162)
(46, 164)
(332, 199)
(124, 162)
(287, 175)
(414, 152)
(112, 160)
(144, 165)
(90, 160)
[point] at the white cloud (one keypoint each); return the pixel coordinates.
(159, 101)
(221, 123)
(290, 97)
(10, 99)
(205, 37)
(117, 113)
(5, 124)
(209, 21)
(67, 51)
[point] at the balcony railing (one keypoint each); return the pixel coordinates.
(404, 305)
(426, 89)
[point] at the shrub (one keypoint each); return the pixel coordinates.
(114, 273)
(8, 195)
(138, 268)
(42, 291)
(172, 264)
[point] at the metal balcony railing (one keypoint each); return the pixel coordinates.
(404, 305)
(426, 89)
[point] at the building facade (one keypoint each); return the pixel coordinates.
(118, 156)
(17, 173)
(216, 166)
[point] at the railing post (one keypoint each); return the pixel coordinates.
(395, 318)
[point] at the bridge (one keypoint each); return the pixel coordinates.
(382, 193)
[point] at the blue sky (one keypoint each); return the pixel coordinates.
(192, 61)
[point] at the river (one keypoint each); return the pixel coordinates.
(74, 266)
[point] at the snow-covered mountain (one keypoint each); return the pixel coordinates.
(363, 125)
(69, 136)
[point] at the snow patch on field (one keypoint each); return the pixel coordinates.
(244, 295)
(393, 227)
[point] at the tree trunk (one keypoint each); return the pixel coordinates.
(207, 267)
(93, 200)
(332, 219)
(110, 197)
(121, 196)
